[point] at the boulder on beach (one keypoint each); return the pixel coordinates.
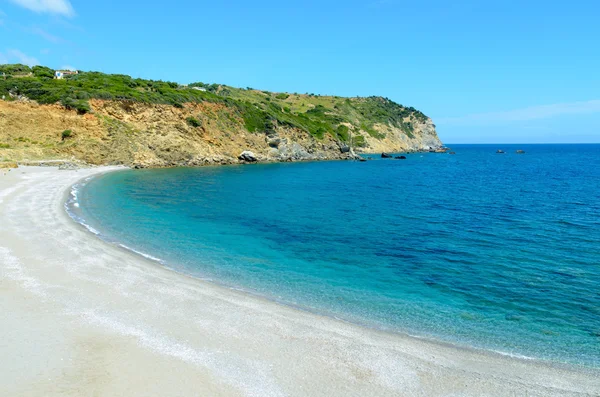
(248, 156)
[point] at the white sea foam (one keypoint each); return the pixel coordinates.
(514, 355)
(148, 256)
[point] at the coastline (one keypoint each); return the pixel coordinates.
(83, 315)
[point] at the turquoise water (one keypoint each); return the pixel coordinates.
(493, 251)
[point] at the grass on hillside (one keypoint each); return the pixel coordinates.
(261, 111)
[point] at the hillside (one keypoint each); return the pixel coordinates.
(100, 118)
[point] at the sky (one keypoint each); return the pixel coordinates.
(485, 71)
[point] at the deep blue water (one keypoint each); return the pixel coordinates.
(493, 251)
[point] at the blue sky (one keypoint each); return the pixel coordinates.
(485, 71)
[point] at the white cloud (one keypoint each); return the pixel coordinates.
(48, 36)
(61, 7)
(524, 114)
(21, 58)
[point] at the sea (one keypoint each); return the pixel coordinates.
(490, 251)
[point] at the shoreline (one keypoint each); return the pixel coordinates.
(155, 261)
(144, 318)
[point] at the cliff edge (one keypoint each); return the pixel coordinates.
(114, 119)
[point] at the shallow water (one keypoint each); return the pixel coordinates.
(493, 251)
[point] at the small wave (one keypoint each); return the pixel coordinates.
(148, 256)
(514, 355)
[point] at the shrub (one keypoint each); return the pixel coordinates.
(342, 133)
(81, 106)
(43, 71)
(66, 134)
(194, 122)
(4, 146)
(282, 96)
(358, 141)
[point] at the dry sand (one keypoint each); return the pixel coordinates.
(81, 317)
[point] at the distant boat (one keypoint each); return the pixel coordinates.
(520, 151)
(500, 151)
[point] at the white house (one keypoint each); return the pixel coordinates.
(59, 74)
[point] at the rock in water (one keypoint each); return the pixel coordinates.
(385, 156)
(247, 156)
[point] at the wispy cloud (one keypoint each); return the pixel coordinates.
(20, 57)
(60, 7)
(2, 16)
(3, 59)
(525, 114)
(48, 36)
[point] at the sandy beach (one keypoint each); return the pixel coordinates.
(79, 316)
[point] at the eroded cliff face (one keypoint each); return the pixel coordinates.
(151, 135)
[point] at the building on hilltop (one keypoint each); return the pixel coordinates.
(59, 74)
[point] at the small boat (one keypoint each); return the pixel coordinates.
(520, 151)
(452, 152)
(500, 151)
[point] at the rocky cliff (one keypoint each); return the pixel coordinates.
(157, 135)
(116, 119)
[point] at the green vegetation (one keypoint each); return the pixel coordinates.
(358, 141)
(4, 146)
(66, 134)
(261, 111)
(194, 122)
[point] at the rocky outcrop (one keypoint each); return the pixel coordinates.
(154, 135)
(248, 156)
